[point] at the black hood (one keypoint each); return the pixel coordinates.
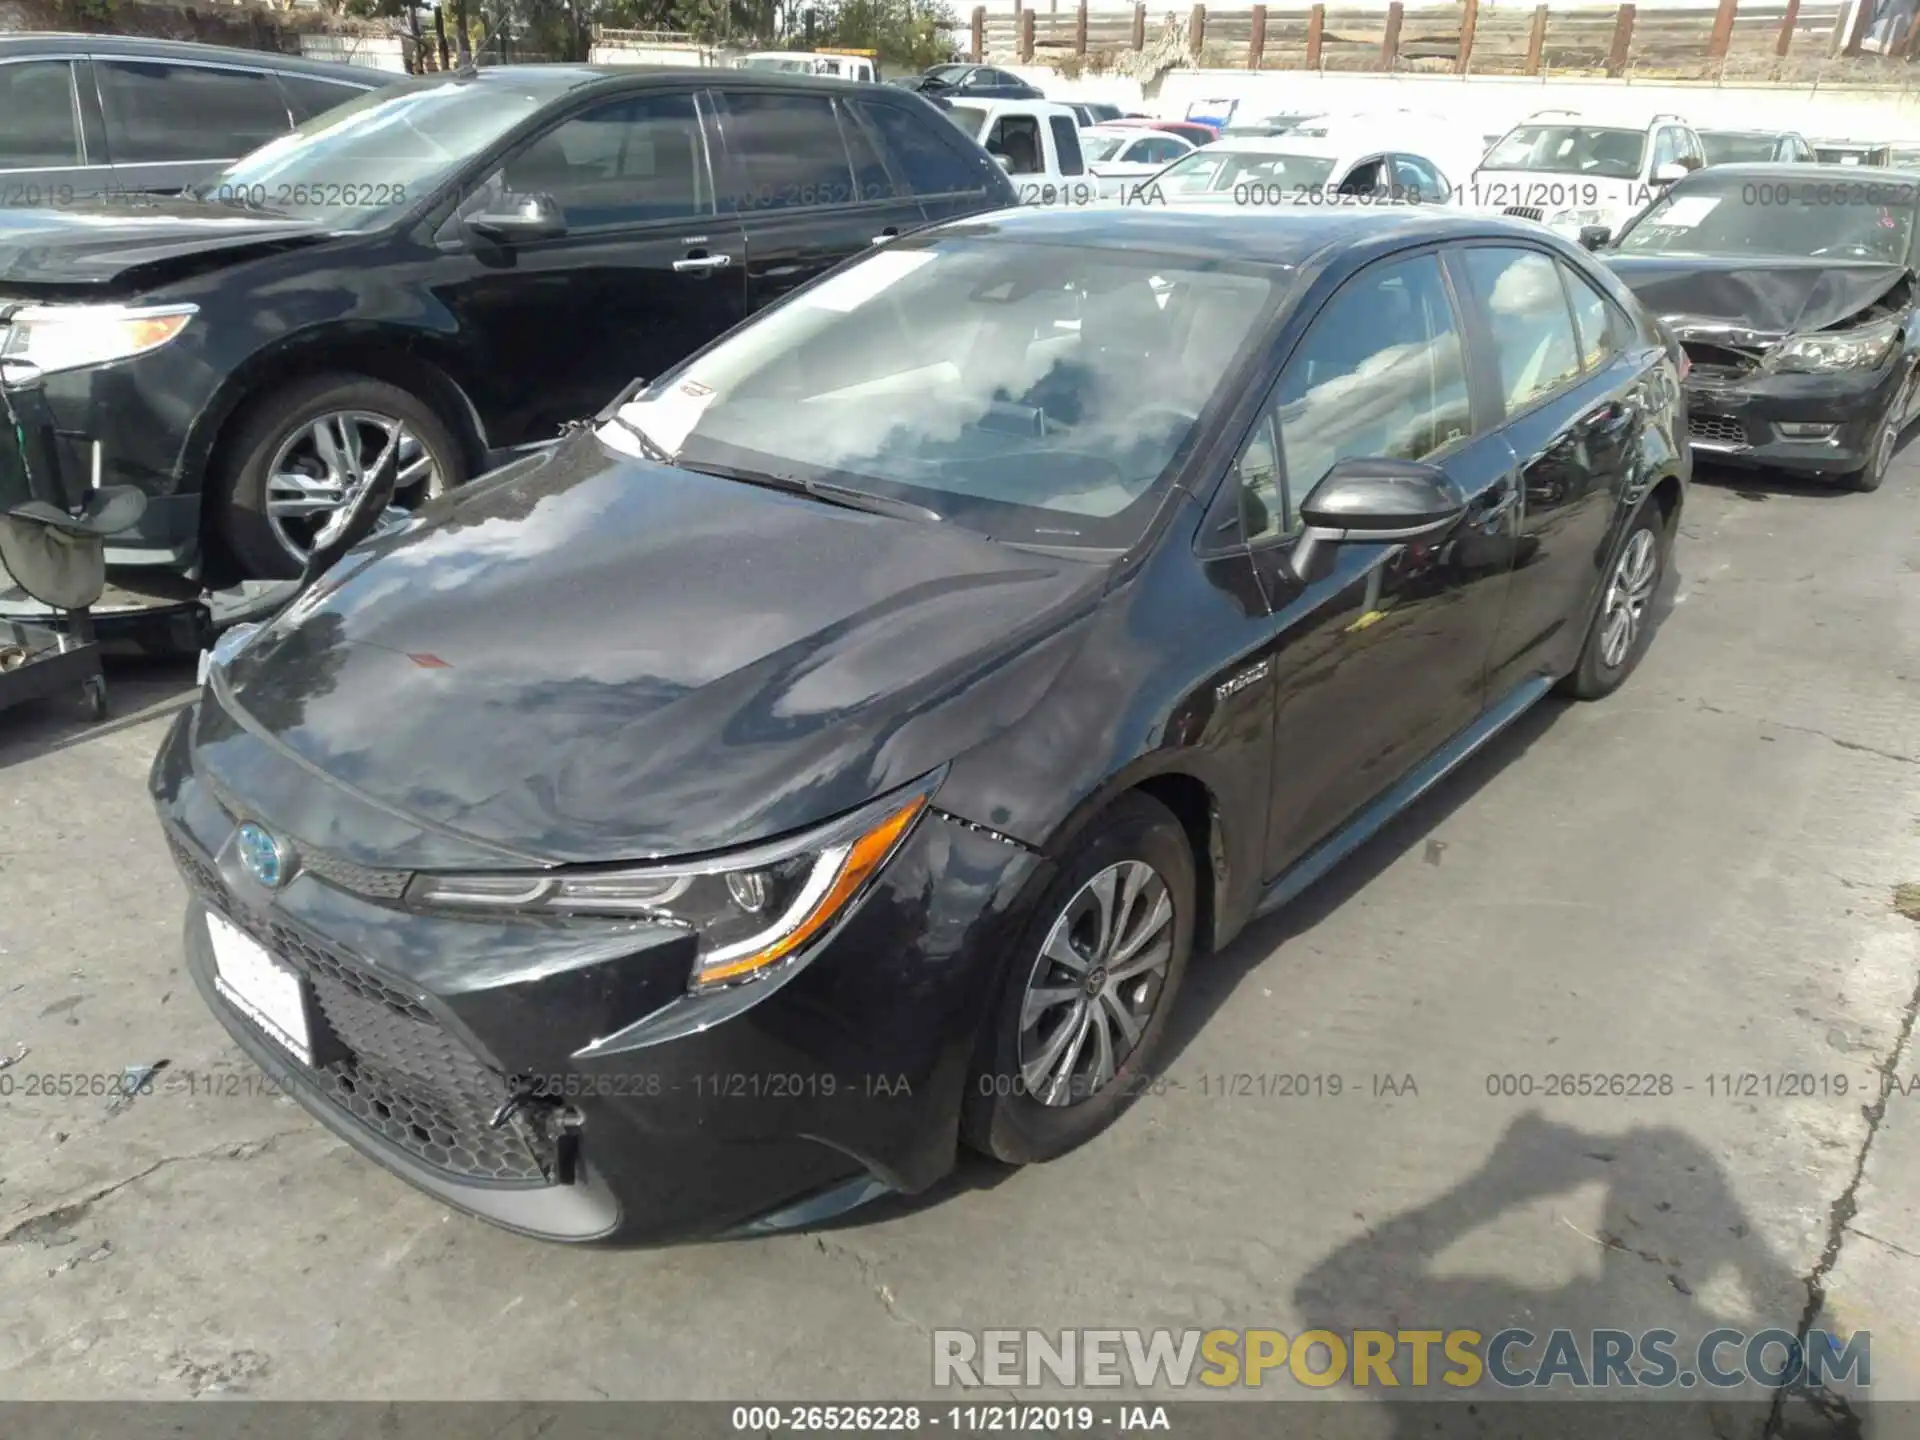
(117, 246)
(590, 657)
(1755, 299)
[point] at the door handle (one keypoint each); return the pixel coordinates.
(701, 264)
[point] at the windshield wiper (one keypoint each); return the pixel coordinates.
(826, 490)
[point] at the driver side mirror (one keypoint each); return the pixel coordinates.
(1592, 237)
(1671, 171)
(521, 218)
(1376, 501)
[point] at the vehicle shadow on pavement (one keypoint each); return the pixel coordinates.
(1760, 485)
(138, 690)
(1674, 1248)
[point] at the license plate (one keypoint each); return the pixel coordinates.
(267, 992)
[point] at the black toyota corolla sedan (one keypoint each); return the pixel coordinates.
(1791, 288)
(842, 749)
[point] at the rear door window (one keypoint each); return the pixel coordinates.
(1066, 144)
(37, 124)
(159, 112)
(787, 151)
(309, 97)
(933, 163)
(1602, 329)
(1519, 293)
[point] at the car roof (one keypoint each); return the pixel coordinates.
(1747, 134)
(45, 42)
(1783, 170)
(551, 81)
(1265, 237)
(1323, 147)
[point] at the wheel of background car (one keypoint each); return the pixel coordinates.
(1623, 622)
(1886, 441)
(299, 454)
(1084, 1003)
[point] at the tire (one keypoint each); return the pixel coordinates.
(286, 417)
(1603, 665)
(1018, 1121)
(1886, 440)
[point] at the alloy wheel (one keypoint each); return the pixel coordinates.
(1629, 593)
(1095, 984)
(321, 466)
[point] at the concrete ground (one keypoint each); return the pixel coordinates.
(1695, 879)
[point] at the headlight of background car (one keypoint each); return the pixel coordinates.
(752, 910)
(1857, 349)
(65, 337)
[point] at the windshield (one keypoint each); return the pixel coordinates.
(948, 72)
(1213, 170)
(1838, 220)
(1103, 147)
(1034, 392)
(1724, 147)
(357, 166)
(1570, 150)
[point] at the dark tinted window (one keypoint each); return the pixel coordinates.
(159, 112)
(787, 151)
(1381, 373)
(869, 170)
(1533, 334)
(932, 162)
(1066, 142)
(618, 163)
(1369, 177)
(1266, 508)
(36, 115)
(309, 97)
(1158, 150)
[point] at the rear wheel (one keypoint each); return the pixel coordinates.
(303, 452)
(1087, 997)
(1623, 623)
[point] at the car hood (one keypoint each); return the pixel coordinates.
(588, 657)
(116, 246)
(1754, 299)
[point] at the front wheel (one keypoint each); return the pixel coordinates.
(1086, 998)
(1623, 624)
(302, 453)
(1886, 440)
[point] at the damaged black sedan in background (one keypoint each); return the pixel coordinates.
(1791, 288)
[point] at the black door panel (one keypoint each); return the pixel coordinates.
(808, 185)
(1576, 443)
(1379, 652)
(630, 290)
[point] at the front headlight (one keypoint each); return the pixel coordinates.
(752, 909)
(1857, 349)
(66, 337)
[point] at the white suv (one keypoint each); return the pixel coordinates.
(1575, 176)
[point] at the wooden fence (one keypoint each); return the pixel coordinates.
(1741, 39)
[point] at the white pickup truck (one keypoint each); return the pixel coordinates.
(1037, 143)
(811, 62)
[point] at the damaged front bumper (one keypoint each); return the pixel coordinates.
(1817, 424)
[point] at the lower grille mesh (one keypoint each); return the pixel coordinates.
(1716, 430)
(394, 1070)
